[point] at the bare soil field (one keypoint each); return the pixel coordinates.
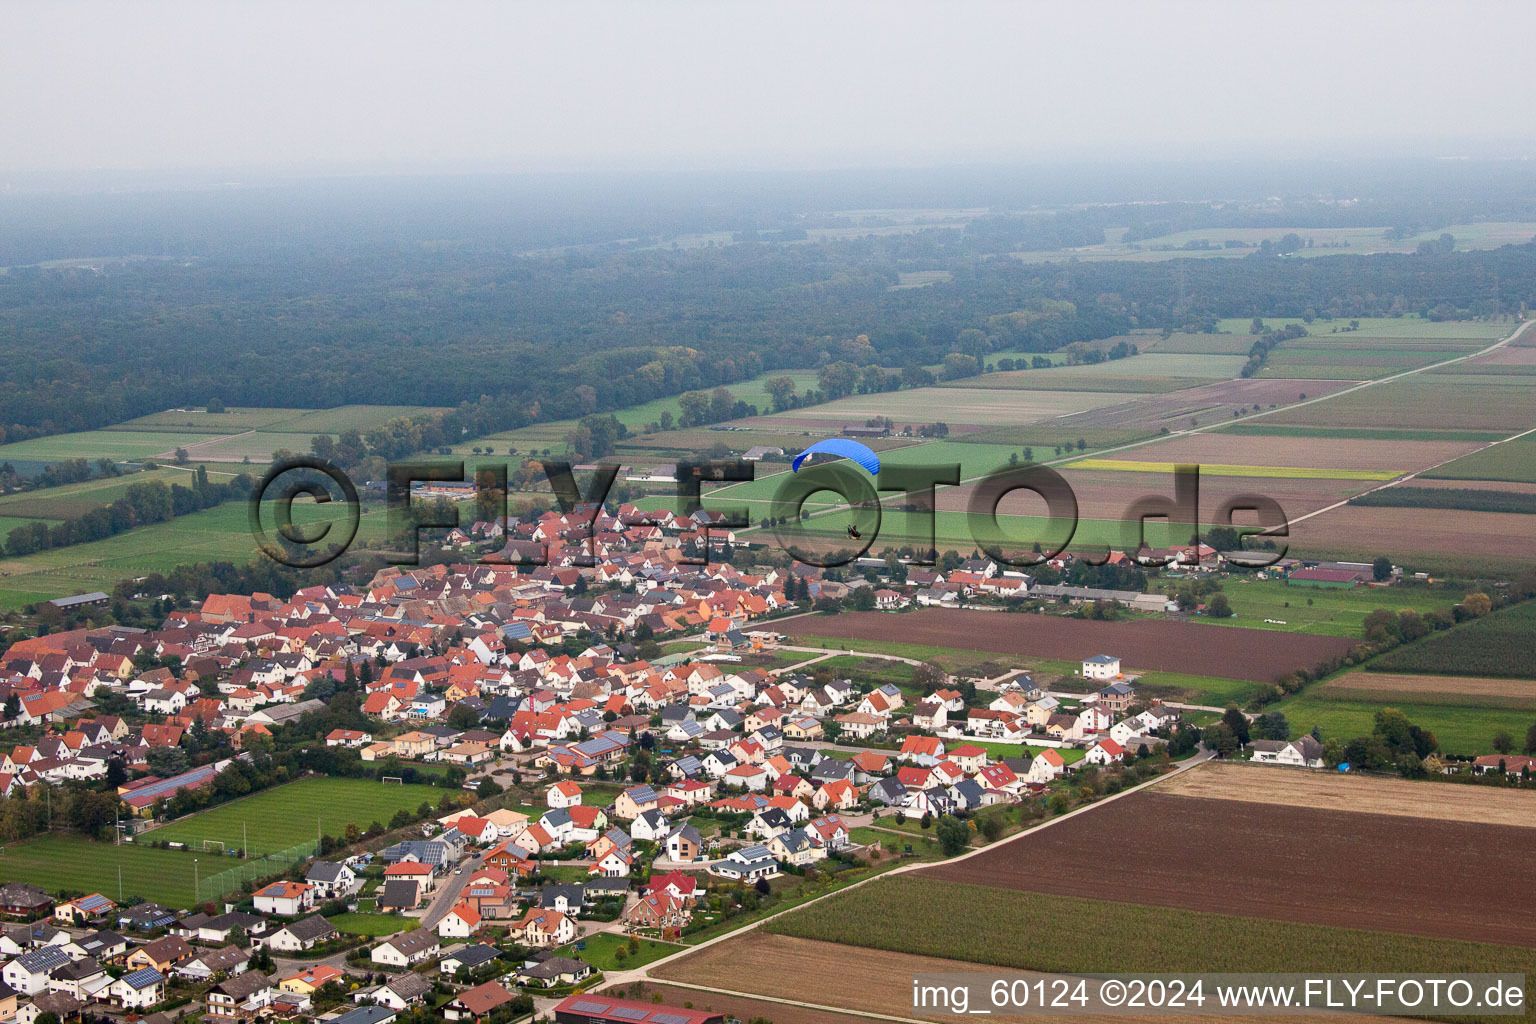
(1312, 453)
(1107, 494)
(1370, 683)
(831, 974)
(869, 980)
(1209, 403)
(744, 1008)
(1320, 790)
(1380, 872)
(957, 407)
(1509, 355)
(1425, 401)
(1410, 532)
(1256, 655)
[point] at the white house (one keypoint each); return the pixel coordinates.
(29, 973)
(286, 899)
(144, 987)
(1301, 753)
(405, 950)
(459, 923)
(1046, 766)
(1106, 751)
(1101, 666)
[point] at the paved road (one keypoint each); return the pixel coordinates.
(448, 890)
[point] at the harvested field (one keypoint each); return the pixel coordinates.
(1470, 690)
(958, 407)
(1209, 403)
(1107, 494)
(1313, 453)
(1426, 400)
(1427, 536)
(1227, 469)
(805, 970)
(1511, 461)
(1439, 801)
(1287, 863)
(1143, 644)
(1509, 355)
(745, 1008)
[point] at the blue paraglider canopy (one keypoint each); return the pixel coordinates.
(841, 446)
(1344, 767)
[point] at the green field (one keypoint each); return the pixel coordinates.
(752, 392)
(276, 819)
(216, 534)
(1460, 730)
(1067, 934)
(118, 444)
(1511, 461)
(1327, 612)
(72, 500)
(228, 422)
(1498, 644)
(70, 862)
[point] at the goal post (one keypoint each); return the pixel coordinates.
(210, 844)
(395, 780)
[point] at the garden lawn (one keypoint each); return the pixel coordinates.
(602, 948)
(373, 925)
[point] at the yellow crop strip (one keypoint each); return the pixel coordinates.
(1218, 469)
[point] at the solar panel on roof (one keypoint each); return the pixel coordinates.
(671, 1018)
(629, 1013)
(587, 1006)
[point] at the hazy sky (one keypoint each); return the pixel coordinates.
(554, 84)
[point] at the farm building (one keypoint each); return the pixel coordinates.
(1327, 579)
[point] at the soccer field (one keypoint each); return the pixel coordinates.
(276, 819)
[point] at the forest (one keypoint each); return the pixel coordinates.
(475, 321)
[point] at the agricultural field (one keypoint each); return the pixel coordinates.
(922, 916)
(752, 392)
(1220, 469)
(960, 408)
(71, 500)
(278, 818)
(1452, 543)
(216, 534)
(1462, 730)
(1310, 865)
(1142, 644)
(1424, 401)
(1498, 644)
(1157, 362)
(736, 1007)
(1484, 805)
(117, 445)
(229, 421)
(1468, 691)
(1315, 457)
(1227, 344)
(1263, 428)
(1275, 604)
(1207, 404)
(1511, 461)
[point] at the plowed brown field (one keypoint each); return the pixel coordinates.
(1257, 655)
(1380, 872)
